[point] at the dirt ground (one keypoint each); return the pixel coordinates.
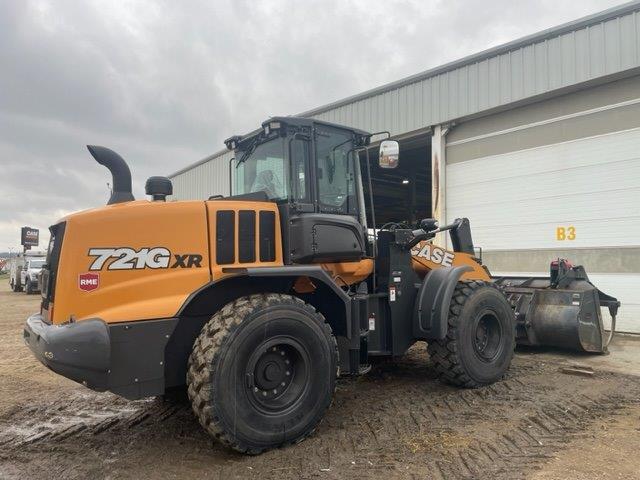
(397, 422)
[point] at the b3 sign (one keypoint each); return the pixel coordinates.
(565, 233)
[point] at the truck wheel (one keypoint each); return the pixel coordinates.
(28, 288)
(262, 372)
(480, 339)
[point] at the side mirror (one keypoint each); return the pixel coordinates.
(389, 154)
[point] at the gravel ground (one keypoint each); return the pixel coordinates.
(395, 422)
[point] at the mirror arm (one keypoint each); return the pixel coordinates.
(373, 220)
(384, 132)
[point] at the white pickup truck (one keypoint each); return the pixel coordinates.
(25, 273)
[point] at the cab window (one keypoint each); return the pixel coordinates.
(335, 171)
(299, 168)
(264, 170)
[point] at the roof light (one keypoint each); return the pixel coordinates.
(232, 142)
(269, 127)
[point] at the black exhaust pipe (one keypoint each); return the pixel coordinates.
(122, 191)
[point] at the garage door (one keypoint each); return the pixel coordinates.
(581, 195)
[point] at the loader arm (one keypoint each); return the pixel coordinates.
(426, 257)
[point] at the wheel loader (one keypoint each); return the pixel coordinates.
(259, 300)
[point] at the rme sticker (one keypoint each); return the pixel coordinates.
(88, 281)
(130, 259)
(434, 254)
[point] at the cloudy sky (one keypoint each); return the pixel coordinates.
(164, 82)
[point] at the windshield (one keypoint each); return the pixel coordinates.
(263, 170)
(36, 263)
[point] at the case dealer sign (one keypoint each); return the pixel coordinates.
(88, 281)
(30, 237)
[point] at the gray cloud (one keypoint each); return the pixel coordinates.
(164, 82)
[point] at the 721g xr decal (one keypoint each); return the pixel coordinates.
(129, 259)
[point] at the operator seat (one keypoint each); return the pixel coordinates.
(266, 182)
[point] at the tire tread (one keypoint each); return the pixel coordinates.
(207, 348)
(444, 353)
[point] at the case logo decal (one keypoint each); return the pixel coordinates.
(129, 259)
(88, 281)
(434, 254)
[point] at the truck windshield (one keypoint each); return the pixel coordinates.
(264, 170)
(36, 263)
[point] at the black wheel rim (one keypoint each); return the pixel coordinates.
(487, 339)
(278, 375)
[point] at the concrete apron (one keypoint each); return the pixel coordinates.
(623, 356)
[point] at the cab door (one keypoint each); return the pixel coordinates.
(328, 230)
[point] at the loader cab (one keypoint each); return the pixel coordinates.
(311, 170)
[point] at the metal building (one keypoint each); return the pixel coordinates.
(536, 141)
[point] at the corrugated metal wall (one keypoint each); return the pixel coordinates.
(604, 48)
(561, 58)
(207, 178)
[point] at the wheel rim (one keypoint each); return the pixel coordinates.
(278, 375)
(487, 341)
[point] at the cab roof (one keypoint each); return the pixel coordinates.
(299, 122)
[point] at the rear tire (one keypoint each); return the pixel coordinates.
(262, 372)
(480, 339)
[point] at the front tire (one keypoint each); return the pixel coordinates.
(28, 287)
(480, 339)
(262, 372)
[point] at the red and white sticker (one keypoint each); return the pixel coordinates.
(88, 281)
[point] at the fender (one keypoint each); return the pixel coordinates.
(431, 309)
(245, 281)
(328, 298)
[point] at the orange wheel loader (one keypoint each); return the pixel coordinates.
(258, 301)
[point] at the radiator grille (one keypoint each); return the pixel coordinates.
(267, 236)
(225, 237)
(240, 237)
(247, 236)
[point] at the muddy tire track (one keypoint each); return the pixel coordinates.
(397, 422)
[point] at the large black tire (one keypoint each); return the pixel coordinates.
(480, 338)
(28, 287)
(263, 372)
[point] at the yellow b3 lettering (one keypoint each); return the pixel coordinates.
(565, 233)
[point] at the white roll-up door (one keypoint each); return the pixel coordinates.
(578, 194)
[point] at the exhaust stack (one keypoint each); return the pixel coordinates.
(122, 191)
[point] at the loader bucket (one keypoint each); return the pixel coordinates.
(563, 310)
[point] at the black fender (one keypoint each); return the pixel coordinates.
(329, 298)
(431, 309)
